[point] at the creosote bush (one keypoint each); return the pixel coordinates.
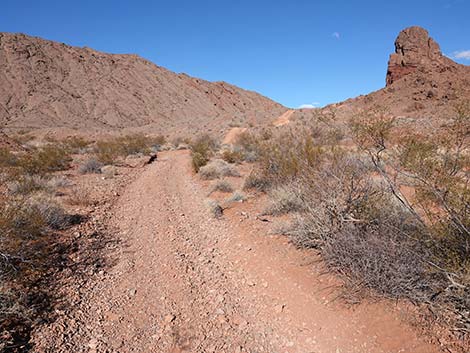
(202, 149)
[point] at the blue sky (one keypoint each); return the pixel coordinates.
(295, 52)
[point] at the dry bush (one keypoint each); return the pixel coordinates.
(109, 151)
(47, 159)
(217, 169)
(285, 199)
(363, 231)
(29, 254)
(51, 212)
(234, 155)
(158, 140)
(202, 149)
(7, 158)
(90, 166)
(215, 208)
(255, 180)
(28, 184)
(222, 186)
(237, 196)
(79, 197)
(76, 144)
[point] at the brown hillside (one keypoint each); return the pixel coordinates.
(422, 85)
(44, 84)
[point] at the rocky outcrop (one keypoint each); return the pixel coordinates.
(414, 49)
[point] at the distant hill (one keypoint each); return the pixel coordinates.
(45, 84)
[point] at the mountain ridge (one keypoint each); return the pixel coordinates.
(46, 84)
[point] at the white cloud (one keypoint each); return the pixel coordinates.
(462, 54)
(309, 105)
(336, 35)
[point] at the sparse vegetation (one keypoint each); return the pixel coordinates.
(109, 151)
(351, 205)
(218, 168)
(29, 218)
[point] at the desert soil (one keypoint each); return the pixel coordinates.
(183, 281)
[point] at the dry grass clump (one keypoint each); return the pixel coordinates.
(90, 166)
(222, 186)
(218, 169)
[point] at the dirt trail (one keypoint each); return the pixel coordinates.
(284, 118)
(186, 282)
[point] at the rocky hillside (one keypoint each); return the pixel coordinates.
(422, 85)
(44, 84)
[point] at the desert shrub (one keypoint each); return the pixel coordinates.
(109, 151)
(255, 180)
(215, 208)
(29, 253)
(7, 158)
(202, 148)
(158, 140)
(198, 161)
(248, 143)
(237, 196)
(284, 199)
(79, 197)
(179, 140)
(363, 231)
(90, 166)
(27, 184)
(222, 186)
(47, 159)
(217, 169)
(52, 213)
(76, 144)
(234, 155)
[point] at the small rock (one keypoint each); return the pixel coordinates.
(169, 318)
(279, 308)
